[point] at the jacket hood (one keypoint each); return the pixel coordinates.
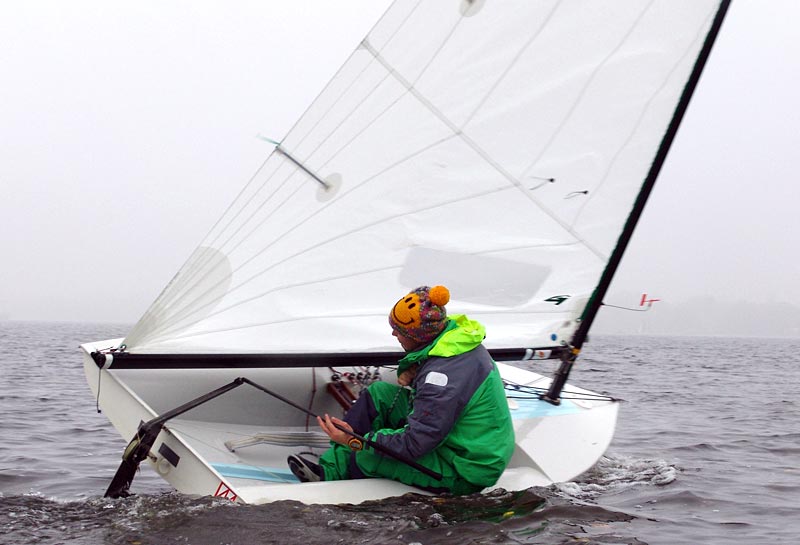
(460, 335)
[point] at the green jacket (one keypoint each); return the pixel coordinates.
(459, 411)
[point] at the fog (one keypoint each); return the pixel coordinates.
(127, 127)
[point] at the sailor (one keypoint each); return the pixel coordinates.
(453, 418)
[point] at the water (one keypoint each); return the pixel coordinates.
(706, 451)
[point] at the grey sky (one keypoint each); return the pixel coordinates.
(127, 128)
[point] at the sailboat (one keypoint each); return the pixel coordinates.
(503, 149)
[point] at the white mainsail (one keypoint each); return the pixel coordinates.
(495, 147)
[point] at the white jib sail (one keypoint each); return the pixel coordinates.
(492, 146)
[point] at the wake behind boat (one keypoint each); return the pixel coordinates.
(504, 149)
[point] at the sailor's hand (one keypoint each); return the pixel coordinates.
(328, 425)
(407, 377)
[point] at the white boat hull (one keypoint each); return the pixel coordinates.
(554, 443)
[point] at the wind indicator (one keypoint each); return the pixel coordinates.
(648, 302)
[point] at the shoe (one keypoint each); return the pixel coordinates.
(304, 469)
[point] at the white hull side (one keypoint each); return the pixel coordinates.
(554, 444)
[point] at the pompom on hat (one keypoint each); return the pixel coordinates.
(420, 315)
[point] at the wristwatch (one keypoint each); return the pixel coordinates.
(355, 443)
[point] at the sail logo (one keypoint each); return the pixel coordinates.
(557, 299)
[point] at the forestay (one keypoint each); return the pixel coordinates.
(492, 146)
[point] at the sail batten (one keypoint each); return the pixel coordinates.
(498, 150)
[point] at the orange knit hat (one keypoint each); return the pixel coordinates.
(420, 315)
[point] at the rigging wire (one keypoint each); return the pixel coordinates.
(537, 390)
(628, 308)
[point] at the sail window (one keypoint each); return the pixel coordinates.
(472, 276)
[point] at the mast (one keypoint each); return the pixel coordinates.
(596, 301)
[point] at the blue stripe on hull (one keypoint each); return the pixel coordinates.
(273, 475)
(535, 408)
